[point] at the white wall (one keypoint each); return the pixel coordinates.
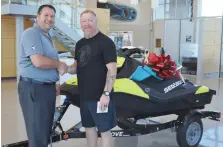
(158, 33)
(172, 38)
(212, 41)
(175, 34)
(187, 29)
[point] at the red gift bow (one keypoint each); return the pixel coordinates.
(163, 65)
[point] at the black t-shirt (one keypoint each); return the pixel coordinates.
(92, 55)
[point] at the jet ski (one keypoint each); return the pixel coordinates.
(140, 91)
(119, 12)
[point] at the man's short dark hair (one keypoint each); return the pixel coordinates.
(45, 5)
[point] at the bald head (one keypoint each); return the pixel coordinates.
(88, 23)
(88, 11)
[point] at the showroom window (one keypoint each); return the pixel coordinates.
(159, 10)
(212, 8)
(173, 9)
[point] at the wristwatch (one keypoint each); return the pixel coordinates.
(106, 93)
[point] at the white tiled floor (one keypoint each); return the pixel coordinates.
(13, 129)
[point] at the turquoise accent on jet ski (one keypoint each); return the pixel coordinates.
(149, 70)
(142, 73)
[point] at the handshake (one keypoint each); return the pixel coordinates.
(63, 68)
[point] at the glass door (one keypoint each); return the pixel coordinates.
(188, 46)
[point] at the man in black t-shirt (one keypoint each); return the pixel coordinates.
(95, 65)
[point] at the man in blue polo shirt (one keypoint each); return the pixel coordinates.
(39, 69)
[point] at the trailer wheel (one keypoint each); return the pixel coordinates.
(189, 134)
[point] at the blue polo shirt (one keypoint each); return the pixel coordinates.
(34, 41)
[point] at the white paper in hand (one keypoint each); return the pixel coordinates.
(99, 110)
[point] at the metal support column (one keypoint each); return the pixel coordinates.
(175, 17)
(179, 47)
(221, 49)
(151, 30)
(200, 40)
(19, 31)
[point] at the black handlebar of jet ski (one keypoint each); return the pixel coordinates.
(125, 52)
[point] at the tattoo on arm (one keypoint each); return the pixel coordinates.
(110, 80)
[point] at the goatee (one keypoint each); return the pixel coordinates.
(87, 34)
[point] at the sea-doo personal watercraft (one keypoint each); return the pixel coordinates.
(140, 92)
